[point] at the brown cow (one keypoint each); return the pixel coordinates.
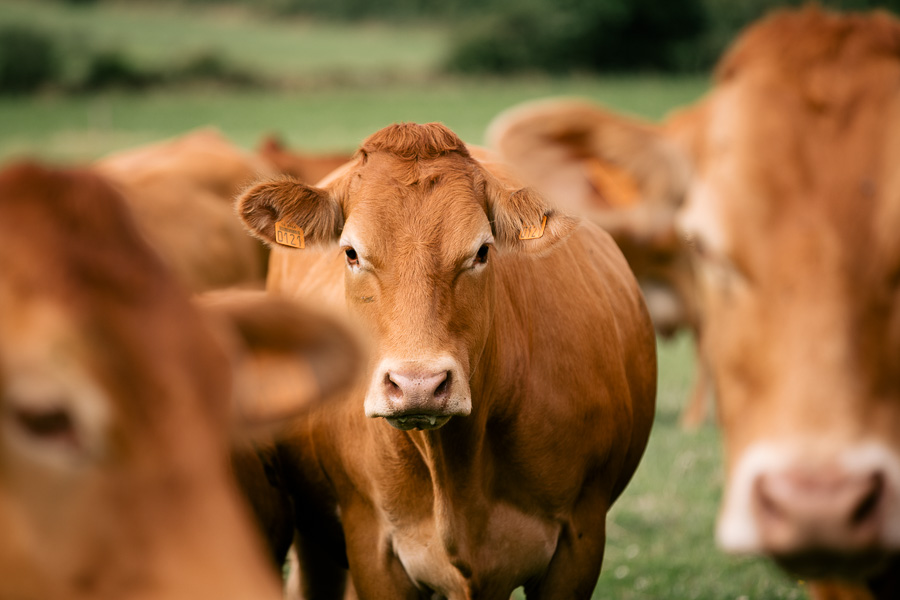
(792, 211)
(181, 191)
(616, 171)
(512, 382)
(114, 405)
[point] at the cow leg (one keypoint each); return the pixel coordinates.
(695, 412)
(315, 575)
(886, 585)
(257, 476)
(321, 571)
(575, 567)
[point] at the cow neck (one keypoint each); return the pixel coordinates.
(458, 456)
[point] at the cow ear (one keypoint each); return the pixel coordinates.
(286, 358)
(287, 212)
(521, 218)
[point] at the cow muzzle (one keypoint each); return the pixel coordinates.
(838, 517)
(421, 395)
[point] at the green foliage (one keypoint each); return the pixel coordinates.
(213, 68)
(110, 69)
(247, 44)
(579, 35)
(47, 56)
(114, 70)
(28, 59)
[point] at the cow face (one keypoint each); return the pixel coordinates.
(792, 215)
(419, 223)
(114, 405)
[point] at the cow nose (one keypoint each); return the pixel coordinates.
(806, 512)
(417, 389)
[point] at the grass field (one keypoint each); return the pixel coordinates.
(159, 34)
(660, 533)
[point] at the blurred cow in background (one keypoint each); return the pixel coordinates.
(182, 193)
(623, 175)
(119, 402)
(793, 211)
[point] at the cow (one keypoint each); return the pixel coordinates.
(791, 216)
(511, 382)
(120, 399)
(181, 191)
(583, 158)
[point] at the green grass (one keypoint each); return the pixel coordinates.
(660, 540)
(328, 118)
(660, 534)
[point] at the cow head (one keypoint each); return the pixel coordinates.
(115, 394)
(418, 221)
(792, 215)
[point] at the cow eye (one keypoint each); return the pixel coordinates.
(50, 424)
(481, 256)
(352, 258)
(46, 431)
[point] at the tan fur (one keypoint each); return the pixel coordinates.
(562, 391)
(115, 407)
(181, 191)
(791, 217)
(623, 175)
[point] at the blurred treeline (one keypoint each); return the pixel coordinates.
(499, 37)
(562, 36)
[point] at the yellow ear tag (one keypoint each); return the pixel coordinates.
(288, 234)
(533, 233)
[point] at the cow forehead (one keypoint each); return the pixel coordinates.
(774, 173)
(415, 205)
(800, 122)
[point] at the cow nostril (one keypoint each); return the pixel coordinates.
(766, 503)
(869, 502)
(444, 387)
(393, 389)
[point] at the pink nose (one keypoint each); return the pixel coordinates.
(417, 391)
(802, 512)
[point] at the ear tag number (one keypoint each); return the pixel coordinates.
(533, 233)
(288, 234)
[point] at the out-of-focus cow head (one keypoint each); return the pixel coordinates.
(118, 401)
(792, 212)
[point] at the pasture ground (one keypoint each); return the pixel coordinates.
(343, 83)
